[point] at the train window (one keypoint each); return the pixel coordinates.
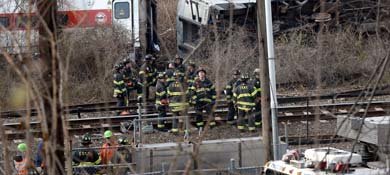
(62, 19)
(122, 10)
(4, 22)
(22, 21)
(191, 33)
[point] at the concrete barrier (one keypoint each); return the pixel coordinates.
(213, 154)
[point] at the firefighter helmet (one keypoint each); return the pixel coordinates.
(123, 140)
(201, 70)
(192, 64)
(161, 75)
(236, 72)
(86, 139)
(125, 61)
(118, 67)
(176, 74)
(177, 57)
(244, 77)
(256, 71)
(148, 57)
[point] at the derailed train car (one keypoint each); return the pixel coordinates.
(194, 17)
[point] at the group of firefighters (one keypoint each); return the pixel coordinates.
(84, 158)
(177, 87)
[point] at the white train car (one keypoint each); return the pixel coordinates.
(193, 16)
(14, 17)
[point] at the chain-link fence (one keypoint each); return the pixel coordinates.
(110, 169)
(127, 169)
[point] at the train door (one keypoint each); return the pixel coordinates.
(125, 13)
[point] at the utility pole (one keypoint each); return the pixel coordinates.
(272, 77)
(264, 79)
(53, 136)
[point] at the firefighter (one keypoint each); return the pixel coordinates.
(131, 80)
(161, 100)
(123, 156)
(119, 85)
(244, 95)
(177, 97)
(179, 66)
(255, 81)
(108, 149)
(229, 96)
(190, 74)
(203, 97)
(169, 73)
(85, 156)
(147, 75)
(125, 149)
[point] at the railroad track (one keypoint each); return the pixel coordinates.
(285, 113)
(111, 105)
(313, 139)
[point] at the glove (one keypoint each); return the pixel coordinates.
(118, 95)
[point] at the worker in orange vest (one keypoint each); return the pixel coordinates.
(22, 166)
(108, 149)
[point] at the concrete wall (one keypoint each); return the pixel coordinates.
(213, 154)
(376, 130)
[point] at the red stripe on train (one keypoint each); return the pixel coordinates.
(88, 18)
(68, 19)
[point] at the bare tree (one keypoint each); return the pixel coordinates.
(51, 92)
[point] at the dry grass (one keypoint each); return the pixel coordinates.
(89, 56)
(349, 57)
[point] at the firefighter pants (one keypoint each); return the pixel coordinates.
(137, 88)
(146, 91)
(175, 122)
(162, 113)
(120, 102)
(241, 120)
(208, 107)
(231, 112)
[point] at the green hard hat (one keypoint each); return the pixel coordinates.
(22, 147)
(107, 134)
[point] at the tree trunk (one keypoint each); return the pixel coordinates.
(53, 134)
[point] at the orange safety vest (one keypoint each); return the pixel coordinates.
(106, 153)
(21, 167)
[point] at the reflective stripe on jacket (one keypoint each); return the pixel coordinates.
(119, 84)
(177, 96)
(244, 96)
(203, 91)
(161, 92)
